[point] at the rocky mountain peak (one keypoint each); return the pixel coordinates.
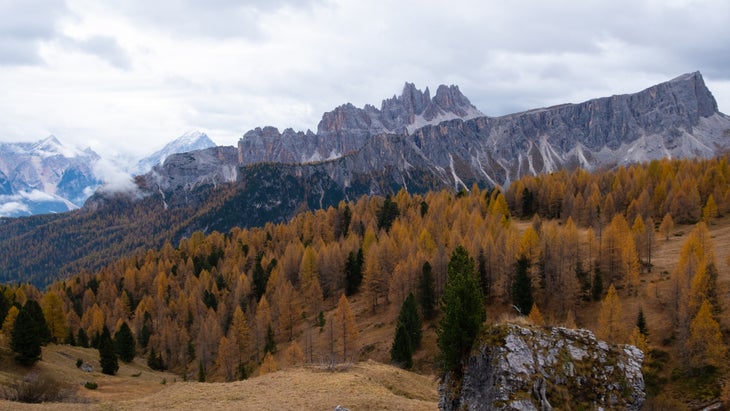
(347, 128)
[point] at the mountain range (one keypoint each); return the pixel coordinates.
(45, 177)
(414, 142)
(50, 177)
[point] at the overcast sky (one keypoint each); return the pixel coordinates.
(128, 76)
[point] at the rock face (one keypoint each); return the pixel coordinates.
(526, 368)
(347, 128)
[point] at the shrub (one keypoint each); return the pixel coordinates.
(90, 385)
(35, 389)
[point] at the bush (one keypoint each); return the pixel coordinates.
(91, 385)
(79, 362)
(35, 389)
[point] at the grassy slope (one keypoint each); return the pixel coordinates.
(366, 385)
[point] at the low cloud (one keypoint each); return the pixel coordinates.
(13, 208)
(115, 179)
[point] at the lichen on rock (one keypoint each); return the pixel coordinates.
(514, 367)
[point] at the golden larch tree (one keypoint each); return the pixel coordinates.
(10, 321)
(268, 365)
(535, 316)
(346, 328)
(52, 306)
(609, 318)
(666, 226)
(705, 345)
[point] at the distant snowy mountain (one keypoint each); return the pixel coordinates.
(191, 141)
(44, 177)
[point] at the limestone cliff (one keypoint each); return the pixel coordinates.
(516, 367)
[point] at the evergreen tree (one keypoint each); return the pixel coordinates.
(154, 361)
(353, 271)
(201, 371)
(270, 345)
(36, 312)
(124, 343)
(463, 308)
(597, 288)
(427, 292)
(70, 339)
(641, 323)
(107, 357)
(144, 335)
(25, 339)
(401, 353)
(388, 214)
(411, 320)
(522, 286)
(82, 339)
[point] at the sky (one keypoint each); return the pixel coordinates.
(125, 77)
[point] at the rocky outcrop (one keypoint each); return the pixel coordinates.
(347, 128)
(516, 367)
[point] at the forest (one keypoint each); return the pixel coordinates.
(568, 248)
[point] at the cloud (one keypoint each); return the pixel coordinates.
(13, 208)
(105, 48)
(24, 25)
(133, 75)
(115, 180)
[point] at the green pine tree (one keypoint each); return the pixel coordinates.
(107, 357)
(427, 292)
(522, 286)
(463, 308)
(641, 323)
(411, 320)
(353, 271)
(270, 345)
(36, 312)
(82, 338)
(124, 343)
(401, 353)
(25, 339)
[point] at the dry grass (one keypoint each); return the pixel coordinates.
(362, 386)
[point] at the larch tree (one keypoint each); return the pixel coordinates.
(227, 360)
(294, 354)
(609, 318)
(535, 316)
(705, 346)
(55, 315)
(667, 226)
(268, 365)
(346, 328)
(9, 321)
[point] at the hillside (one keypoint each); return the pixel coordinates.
(219, 188)
(362, 386)
(326, 287)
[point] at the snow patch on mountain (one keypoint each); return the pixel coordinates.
(190, 141)
(45, 177)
